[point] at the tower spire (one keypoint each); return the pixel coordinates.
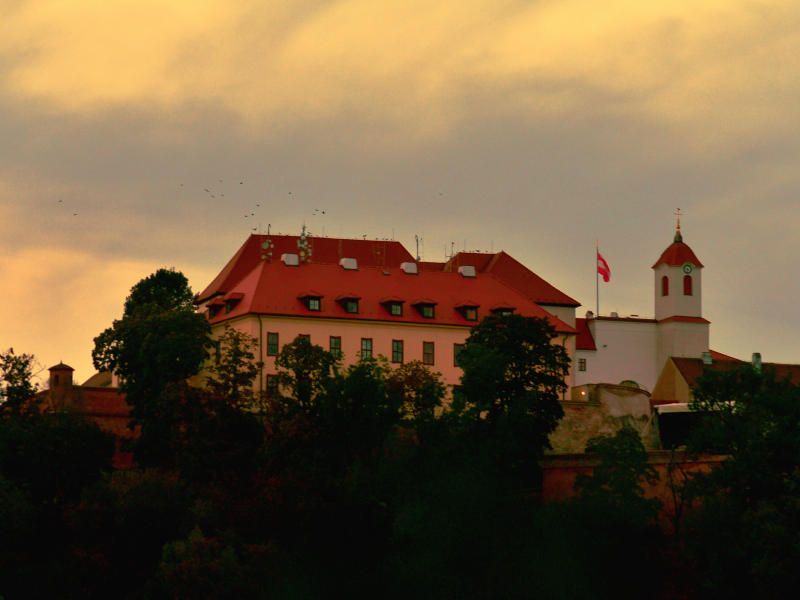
(678, 236)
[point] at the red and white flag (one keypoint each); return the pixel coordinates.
(603, 268)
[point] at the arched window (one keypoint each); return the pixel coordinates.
(687, 285)
(665, 286)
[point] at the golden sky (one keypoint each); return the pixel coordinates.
(535, 126)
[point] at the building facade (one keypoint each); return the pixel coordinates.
(369, 298)
(614, 349)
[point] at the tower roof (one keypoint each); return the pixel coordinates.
(60, 367)
(678, 253)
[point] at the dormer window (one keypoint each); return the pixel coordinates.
(468, 310)
(231, 300)
(503, 311)
(426, 307)
(393, 305)
(349, 302)
(215, 306)
(312, 300)
(426, 310)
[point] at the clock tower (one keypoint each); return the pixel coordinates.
(682, 330)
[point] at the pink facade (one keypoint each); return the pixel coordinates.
(354, 290)
(351, 334)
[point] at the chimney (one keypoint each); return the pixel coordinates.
(757, 362)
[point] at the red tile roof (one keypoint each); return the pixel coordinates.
(585, 340)
(678, 254)
(691, 368)
(627, 319)
(375, 253)
(685, 319)
(272, 288)
(384, 254)
(720, 356)
(513, 273)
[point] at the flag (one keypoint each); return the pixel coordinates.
(603, 268)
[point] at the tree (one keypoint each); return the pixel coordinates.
(744, 538)
(617, 478)
(305, 371)
(232, 375)
(513, 380)
(419, 391)
(159, 341)
(16, 387)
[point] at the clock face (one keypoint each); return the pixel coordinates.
(687, 268)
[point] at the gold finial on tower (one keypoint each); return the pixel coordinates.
(678, 236)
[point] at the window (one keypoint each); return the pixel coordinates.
(471, 313)
(427, 353)
(397, 351)
(272, 343)
(314, 303)
(581, 364)
(427, 311)
(229, 304)
(503, 311)
(217, 352)
(457, 348)
(351, 306)
(305, 336)
(272, 386)
(213, 310)
(687, 285)
(336, 346)
(366, 348)
(396, 309)
(665, 286)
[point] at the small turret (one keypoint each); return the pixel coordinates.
(60, 384)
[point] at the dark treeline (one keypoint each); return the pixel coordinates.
(361, 481)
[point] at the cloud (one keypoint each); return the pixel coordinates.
(413, 65)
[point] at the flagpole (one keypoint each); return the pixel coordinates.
(597, 275)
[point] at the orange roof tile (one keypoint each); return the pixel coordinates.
(323, 250)
(585, 340)
(271, 288)
(692, 368)
(513, 273)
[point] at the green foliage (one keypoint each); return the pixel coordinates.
(513, 380)
(16, 387)
(305, 371)
(159, 341)
(218, 441)
(617, 478)
(233, 374)
(745, 539)
(207, 567)
(418, 390)
(54, 456)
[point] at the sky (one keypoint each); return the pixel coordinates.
(136, 135)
